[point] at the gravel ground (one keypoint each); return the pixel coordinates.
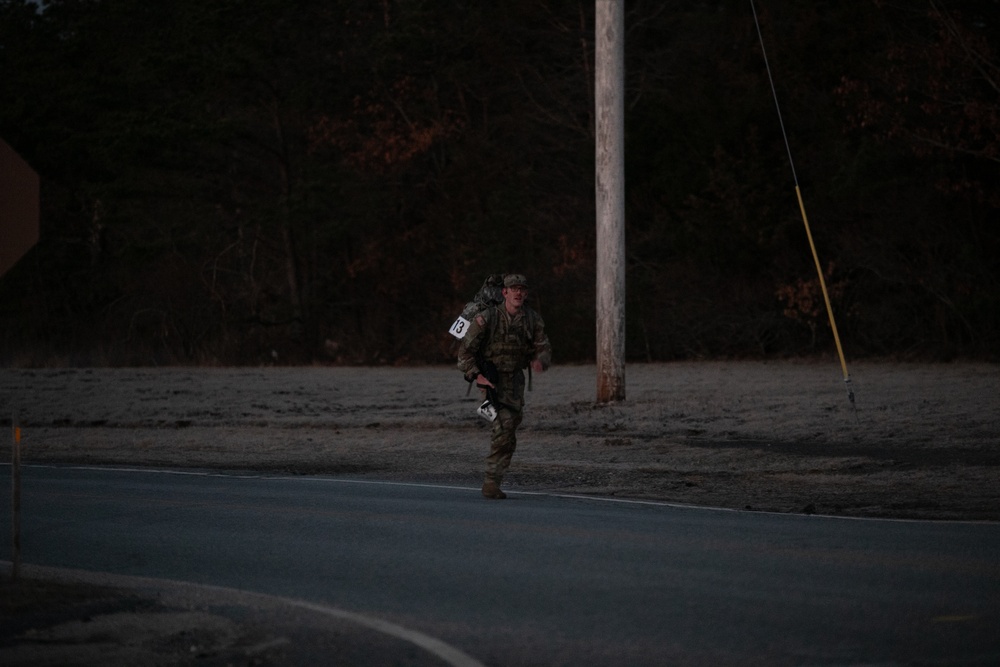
(919, 441)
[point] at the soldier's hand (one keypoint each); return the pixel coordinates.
(481, 381)
(537, 366)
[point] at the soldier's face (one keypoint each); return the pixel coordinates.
(514, 297)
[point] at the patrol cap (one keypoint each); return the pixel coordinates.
(512, 279)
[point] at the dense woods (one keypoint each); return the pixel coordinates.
(244, 182)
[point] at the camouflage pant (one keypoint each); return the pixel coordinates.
(503, 441)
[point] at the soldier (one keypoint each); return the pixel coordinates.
(501, 341)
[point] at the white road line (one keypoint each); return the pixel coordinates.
(549, 494)
(446, 652)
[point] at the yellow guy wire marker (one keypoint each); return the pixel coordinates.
(805, 220)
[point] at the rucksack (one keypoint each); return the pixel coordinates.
(490, 294)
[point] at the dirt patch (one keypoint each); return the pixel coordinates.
(62, 617)
(47, 622)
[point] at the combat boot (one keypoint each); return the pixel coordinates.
(491, 490)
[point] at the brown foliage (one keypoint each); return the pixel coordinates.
(940, 93)
(380, 134)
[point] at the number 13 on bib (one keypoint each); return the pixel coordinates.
(459, 328)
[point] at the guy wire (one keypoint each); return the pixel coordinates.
(805, 219)
(774, 93)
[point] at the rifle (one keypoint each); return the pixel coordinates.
(489, 371)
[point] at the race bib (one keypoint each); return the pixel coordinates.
(459, 328)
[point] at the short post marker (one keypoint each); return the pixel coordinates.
(15, 498)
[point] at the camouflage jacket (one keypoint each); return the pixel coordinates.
(511, 342)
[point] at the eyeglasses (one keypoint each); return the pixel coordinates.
(518, 288)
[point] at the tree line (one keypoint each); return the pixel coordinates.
(329, 181)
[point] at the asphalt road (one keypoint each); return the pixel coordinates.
(540, 579)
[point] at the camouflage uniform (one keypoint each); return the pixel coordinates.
(510, 342)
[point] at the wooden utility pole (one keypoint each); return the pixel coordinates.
(609, 99)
